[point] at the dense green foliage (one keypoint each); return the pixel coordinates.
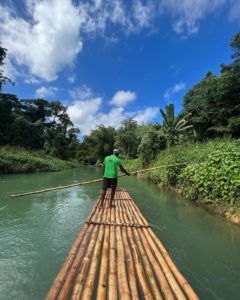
(97, 145)
(19, 160)
(128, 138)
(151, 144)
(217, 177)
(37, 124)
(214, 102)
(208, 170)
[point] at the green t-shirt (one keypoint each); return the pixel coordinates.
(111, 164)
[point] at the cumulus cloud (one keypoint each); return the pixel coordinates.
(86, 114)
(122, 98)
(146, 115)
(43, 43)
(82, 113)
(175, 89)
(44, 92)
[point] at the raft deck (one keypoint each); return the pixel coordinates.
(117, 256)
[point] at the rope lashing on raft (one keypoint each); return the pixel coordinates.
(118, 224)
(91, 181)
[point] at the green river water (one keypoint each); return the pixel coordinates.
(36, 233)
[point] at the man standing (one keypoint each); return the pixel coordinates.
(110, 165)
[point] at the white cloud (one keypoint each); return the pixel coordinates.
(44, 92)
(143, 13)
(87, 114)
(46, 42)
(83, 113)
(81, 93)
(178, 87)
(175, 89)
(122, 98)
(146, 115)
(187, 14)
(51, 35)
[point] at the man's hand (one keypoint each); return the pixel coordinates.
(124, 171)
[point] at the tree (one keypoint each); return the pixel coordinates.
(37, 124)
(128, 139)
(151, 144)
(8, 104)
(173, 126)
(235, 45)
(97, 145)
(214, 102)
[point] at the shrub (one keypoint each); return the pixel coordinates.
(19, 160)
(217, 178)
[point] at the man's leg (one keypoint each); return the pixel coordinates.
(112, 197)
(105, 185)
(102, 197)
(113, 190)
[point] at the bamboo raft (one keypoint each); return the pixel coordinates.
(117, 256)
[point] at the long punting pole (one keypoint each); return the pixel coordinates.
(88, 182)
(117, 256)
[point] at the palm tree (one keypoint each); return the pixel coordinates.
(173, 126)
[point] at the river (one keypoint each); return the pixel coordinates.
(36, 233)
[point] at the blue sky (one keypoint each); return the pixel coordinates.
(112, 59)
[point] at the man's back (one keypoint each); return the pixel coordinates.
(111, 164)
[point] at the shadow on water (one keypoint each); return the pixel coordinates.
(36, 233)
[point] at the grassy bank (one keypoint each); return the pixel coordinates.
(210, 172)
(19, 160)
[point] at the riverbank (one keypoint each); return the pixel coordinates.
(19, 160)
(209, 175)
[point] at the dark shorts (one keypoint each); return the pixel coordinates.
(109, 183)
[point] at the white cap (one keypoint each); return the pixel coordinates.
(116, 151)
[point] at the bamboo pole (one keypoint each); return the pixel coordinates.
(88, 286)
(102, 284)
(86, 261)
(66, 289)
(183, 282)
(146, 262)
(170, 264)
(112, 275)
(162, 270)
(121, 266)
(129, 259)
(86, 182)
(78, 244)
(144, 284)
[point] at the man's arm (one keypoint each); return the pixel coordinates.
(123, 170)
